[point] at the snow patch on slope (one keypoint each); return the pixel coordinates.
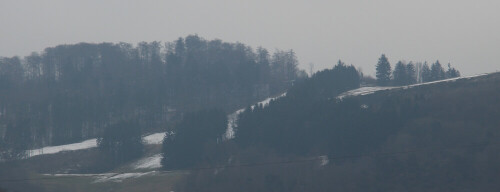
(363, 91)
(87, 144)
(371, 90)
(121, 176)
(152, 162)
(154, 139)
(106, 177)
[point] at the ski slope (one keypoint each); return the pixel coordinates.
(371, 90)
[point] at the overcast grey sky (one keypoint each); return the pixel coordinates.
(463, 32)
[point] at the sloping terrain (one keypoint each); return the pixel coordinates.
(60, 168)
(444, 130)
(438, 136)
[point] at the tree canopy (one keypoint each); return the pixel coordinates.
(383, 71)
(69, 93)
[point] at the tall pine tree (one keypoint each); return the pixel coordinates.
(426, 73)
(400, 74)
(437, 72)
(452, 72)
(383, 71)
(411, 76)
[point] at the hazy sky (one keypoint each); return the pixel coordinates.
(463, 32)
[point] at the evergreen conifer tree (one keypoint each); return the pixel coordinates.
(426, 73)
(411, 74)
(452, 72)
(383, 71)
(437, 71)
(400, 74)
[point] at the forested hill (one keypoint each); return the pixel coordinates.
(72, 92)
(433, 137)
(289, 119)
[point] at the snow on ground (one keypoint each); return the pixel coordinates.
(363, 91)
(81, 175)
(447, 80)
(154, 139)
(371, 90)
(152, 162)
(105, 177)
(233, 117)
(91, 143)
(121, 176)
(157, 138)
(266, 102)
(231, 123)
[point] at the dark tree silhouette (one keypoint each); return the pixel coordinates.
(411, 77)
(426, 75)
(187, 145)
(400, 74)
(437, 72)
(121, 142)
(69, 93)
(452, 72)
(383, 71)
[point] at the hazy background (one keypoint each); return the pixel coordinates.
(465, 33)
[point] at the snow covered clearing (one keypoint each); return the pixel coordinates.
(152, 162)
(80, 175)
(121, 176)
(91, 143)
(371, 90)
(154, 139)
(106, 177)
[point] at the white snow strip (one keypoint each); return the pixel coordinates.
(80, 175)
(152, 162)
(363, 91)
(371, 90)
(122, 176)
(233, 117)
(91, 143)
(231, 123)
(154, 139)
(105, 177)
(266, 102)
